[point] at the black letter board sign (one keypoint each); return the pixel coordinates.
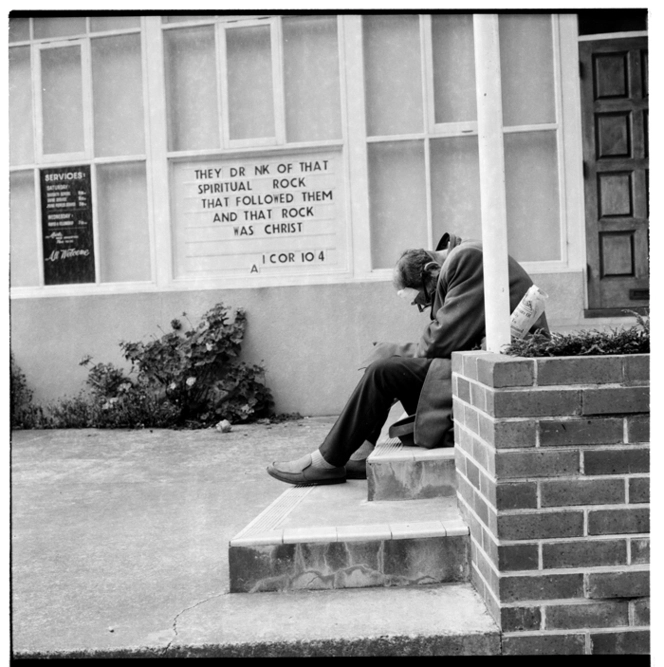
(66, 201)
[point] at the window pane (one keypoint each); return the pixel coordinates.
(19, 30)
(59, 26)
(250, 102)
(392, 72)
(397, 196)
(453, 68)
(526, 62)
(191, 89)
(21, 146)
(117, 84)
(311, 78)
(62, 105)
(533, 211)
(24, 253)
(124, 239)
(101, 23)
(455, 188)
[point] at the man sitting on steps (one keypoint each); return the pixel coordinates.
(450, 280)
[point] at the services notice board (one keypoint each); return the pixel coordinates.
(259, 216)
(67, 235)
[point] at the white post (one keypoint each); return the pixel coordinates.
(492, 181)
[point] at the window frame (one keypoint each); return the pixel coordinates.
(352, 146)
(568, 142)
(256, 148)
(87, 157)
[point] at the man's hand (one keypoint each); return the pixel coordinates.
(382, 351)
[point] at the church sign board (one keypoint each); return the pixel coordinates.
(267, 216)
(67, 236)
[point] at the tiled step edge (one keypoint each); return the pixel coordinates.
(264, 557)
(398, 472)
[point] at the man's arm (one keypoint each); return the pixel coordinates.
(385, 350)
(459, 320)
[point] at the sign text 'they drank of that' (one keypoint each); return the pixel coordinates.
(259, 216)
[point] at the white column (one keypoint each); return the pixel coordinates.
(492, 181)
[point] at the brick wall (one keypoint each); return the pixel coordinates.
(552, 459)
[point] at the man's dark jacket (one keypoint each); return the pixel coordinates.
(457, 323)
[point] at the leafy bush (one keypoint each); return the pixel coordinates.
(197, 372)
(23, 412)
(633, 340)
(186, 378)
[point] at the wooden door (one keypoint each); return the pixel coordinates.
(614, 97)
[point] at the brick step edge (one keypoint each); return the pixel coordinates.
(387, 544)
(399, 472)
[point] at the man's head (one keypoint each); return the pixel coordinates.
(415, 275)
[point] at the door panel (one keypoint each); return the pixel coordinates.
(614, 88)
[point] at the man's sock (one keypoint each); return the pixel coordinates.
(317, 461)
(365, 449)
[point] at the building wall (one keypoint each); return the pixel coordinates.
(152, 131)
(310, 338)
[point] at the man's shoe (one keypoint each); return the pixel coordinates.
(356, 469)
(303, 473)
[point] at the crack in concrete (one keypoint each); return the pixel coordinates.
(174, 627)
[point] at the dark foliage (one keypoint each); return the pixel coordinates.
(187, 378)
(632, 340)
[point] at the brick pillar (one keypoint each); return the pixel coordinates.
(552, 459)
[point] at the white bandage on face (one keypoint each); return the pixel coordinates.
(408, 293)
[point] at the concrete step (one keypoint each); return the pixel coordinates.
(332, 537)
(445, 619)
(398, 472)
(439, 620)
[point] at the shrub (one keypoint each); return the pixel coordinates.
(197, 372)
(632, 340)
(23, 413)
(186, 378)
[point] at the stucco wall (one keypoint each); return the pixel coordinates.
(311, 338)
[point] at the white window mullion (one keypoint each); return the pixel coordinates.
(150, 184)
(88, 135)
(156, 153)
(428, 111)
(358, 176)
(222, 83)
(560, 144)
(427, 73)
(571, 157)
(38, 225)
(428, 185)
(88, 114)
(38, 116)
(343, 101)
(95, 222)
(278, 93)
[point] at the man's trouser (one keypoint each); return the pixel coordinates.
(367, 409)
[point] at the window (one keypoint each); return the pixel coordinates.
(221, 151)
(270, 81)
(421, 119)
(85, 129)
(255, 147)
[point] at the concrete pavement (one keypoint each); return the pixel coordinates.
(120, 549)
(116, 532)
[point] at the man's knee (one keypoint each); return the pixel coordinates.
(385, 367)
